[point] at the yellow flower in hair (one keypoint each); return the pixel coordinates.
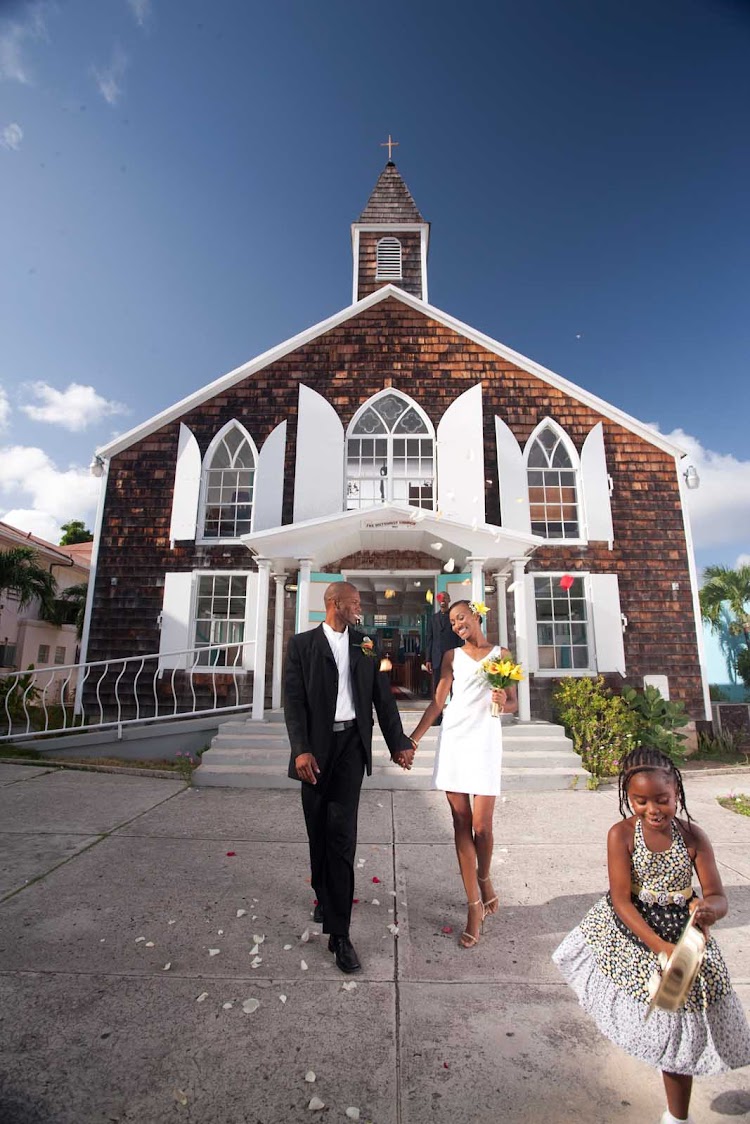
(479, 607)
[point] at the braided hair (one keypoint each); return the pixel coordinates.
(646, 759)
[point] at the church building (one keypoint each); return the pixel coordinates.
(396, 447)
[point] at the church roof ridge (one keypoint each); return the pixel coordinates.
(390, 201)
(198, 397)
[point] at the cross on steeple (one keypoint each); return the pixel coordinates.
(389, 144)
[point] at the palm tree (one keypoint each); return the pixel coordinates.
(21, 574)
(75, 595)
(725, 600)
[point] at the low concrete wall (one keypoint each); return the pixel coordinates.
(137, 743)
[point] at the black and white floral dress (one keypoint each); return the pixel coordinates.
(609, 968)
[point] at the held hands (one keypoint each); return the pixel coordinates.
(404, 758)
(307, 767)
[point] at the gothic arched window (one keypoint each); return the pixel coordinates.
(553, 484)
(229, 484)
(390, 454)
(388, 266)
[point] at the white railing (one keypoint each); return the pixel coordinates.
(123, 692)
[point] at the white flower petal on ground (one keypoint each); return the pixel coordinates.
(241, 912)
(256, 961)
(219, 932)
(149, 944)
(227, 1006)
(310, 1076)
(259, 939)
(167, 966)
(393, 929)
(255, 950)
(171, 922)
(203, 996)
(282, 999)
(139, 939)
(305, 936)
(375, 901)
(287, 947)
(180, 1096)
(379, 804)
(303, 965)
(214, 951)
(315, 1104)
(250, 1006)
(352, 1112)
(349, 985)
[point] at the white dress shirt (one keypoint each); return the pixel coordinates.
(339, 643)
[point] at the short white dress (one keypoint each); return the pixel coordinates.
(469, 754)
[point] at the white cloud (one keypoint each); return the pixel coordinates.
(141, 10)
(742, 560)
(13, 39)
(11, 136)
(720, 507)
(74, 408)
(109, 78)
(4, 409)
(56, 494)
(39, 523)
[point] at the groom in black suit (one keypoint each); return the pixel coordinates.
(331, 684)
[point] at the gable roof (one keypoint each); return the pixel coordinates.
(185, 405)
(74, 553)
(391, 200)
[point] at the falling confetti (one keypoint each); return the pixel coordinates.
(450, 566)
(250, 1006)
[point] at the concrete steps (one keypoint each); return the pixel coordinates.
(537, 757)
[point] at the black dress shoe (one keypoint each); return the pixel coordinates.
(346, 956)
(318, 914)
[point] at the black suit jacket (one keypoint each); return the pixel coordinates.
(440, 638)
(311, 681)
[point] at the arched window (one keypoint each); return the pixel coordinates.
(229, 484)
(390, 454)
(553, 484)
(388, 260)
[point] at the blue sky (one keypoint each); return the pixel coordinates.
(177, 181)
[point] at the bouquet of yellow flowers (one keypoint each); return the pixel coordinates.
(499, 674)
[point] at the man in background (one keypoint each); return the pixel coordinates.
(440, 639)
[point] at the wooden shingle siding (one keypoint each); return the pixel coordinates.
(391, 344)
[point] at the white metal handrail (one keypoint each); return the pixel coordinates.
(35, 702)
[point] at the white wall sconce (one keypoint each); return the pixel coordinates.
(692, 479)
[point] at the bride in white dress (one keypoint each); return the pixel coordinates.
(469, 758)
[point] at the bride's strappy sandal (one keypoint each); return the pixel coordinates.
(493, 901)
(466, 940)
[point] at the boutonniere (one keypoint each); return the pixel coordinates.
(367, 647)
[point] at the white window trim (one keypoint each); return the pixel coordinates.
(200, 537)
(575, 461)
(201, 669)
(390, 435)
(567, 672)
(389, 276)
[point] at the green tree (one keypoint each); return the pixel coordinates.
(75, 531)
(75, 597)
(21, 574)
(725, 605)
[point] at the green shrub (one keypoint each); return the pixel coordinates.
(600, 723)
(12, 691)
(658, 720)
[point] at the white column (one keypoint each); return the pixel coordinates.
(278, 640)
(303, 594)
(522, 637)
(477, 578)
(261, 638)
(501, 582)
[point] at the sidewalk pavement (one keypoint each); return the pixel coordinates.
(115, 893)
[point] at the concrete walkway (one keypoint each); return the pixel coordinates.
(95, 1029)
